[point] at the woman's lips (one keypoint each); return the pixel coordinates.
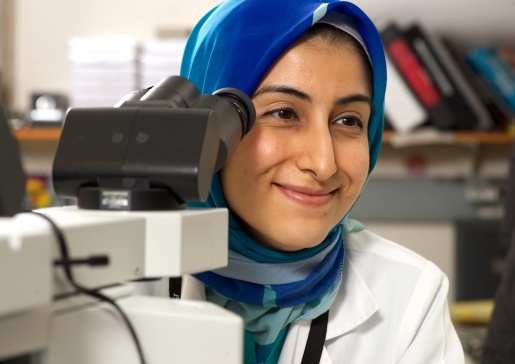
(306, 196)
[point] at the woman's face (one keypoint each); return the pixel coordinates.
(304, 162)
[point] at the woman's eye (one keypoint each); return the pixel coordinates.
(284, 114)
(350, 121)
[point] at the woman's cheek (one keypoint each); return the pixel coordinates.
(264, 150)
(362, 165)
(353, 160)
(244, 170)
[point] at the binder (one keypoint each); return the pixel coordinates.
(410, 67)
(499, 110)
(470, 112)
(402, 109)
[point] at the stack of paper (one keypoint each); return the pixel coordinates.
(103, 70)
(160, 59)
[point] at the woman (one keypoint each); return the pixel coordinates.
(316, 74)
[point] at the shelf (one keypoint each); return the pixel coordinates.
(37, 134)
(459, 137)
(464, 137)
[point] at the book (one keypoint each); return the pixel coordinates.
(470, 112)
(410, 67)
(488, 64)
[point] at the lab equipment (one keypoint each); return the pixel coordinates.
(132, 168)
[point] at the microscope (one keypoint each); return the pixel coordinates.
(65, 271)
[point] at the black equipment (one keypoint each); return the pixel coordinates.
(12, 178)
(156, 150)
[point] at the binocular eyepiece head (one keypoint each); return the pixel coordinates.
(157, 149)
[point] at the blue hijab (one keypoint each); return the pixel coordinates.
(233, 46)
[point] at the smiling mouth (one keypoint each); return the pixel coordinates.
(305, 196)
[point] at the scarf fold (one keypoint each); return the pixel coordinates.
(243, 268)
(291, 292)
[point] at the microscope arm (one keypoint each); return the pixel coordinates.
(141, 244)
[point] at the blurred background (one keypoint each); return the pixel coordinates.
(440, 181)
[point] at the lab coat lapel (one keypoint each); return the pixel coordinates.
(325, 359)
(354, 304)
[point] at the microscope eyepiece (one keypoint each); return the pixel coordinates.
(243, 105)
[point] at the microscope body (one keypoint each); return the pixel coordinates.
(41, 315)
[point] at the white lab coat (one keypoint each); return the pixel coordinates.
(391, 308)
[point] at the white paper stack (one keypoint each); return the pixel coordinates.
(103, 70)
(159, 59)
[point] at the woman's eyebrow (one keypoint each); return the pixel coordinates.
(304, 96)
(355, 98)
(285, 90)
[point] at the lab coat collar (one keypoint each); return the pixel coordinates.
(353, 305)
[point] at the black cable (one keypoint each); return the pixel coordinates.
(66, 263)
(94, 260)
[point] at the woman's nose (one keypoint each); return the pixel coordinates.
(316, 153)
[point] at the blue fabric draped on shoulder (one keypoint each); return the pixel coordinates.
(236, 42)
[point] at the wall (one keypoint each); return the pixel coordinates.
(42, 28)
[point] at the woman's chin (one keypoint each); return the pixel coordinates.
(294, 242)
